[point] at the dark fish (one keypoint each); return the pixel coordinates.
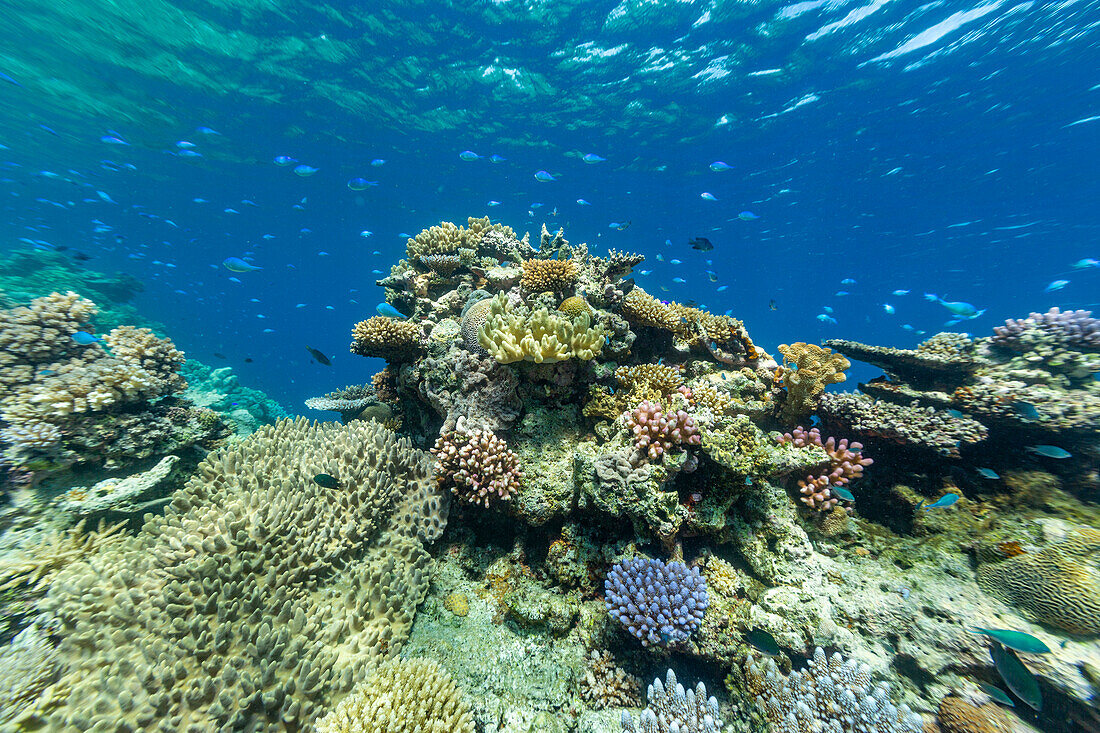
(765, 642)
(248, 360)
(325, 481)
(1016, 675)
(220, 356)
(81, 256)
(772, 305)
(1026, 410)
(627, 285)
(701, 243)
(321, 358)
(997, 694)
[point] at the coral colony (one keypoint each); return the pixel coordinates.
(556, 486)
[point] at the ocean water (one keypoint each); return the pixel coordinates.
(854, 163)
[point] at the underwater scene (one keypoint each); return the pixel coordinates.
(550, 366)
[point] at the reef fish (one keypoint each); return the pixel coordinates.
(988, 473)
(321, 358)
(236, 264)
(1016, 675)
(765, 642)
(747, 216)
(544, 176)
(1049, 451)
(593, 158)
(944, 501)
(1018, 640)
(843, 493)
(997, 694)
(707, 196)
(1026, 410)
(957, 307)
(304, 171)
(469, 155)
(84, 338)
(387, 310)
(718, 166)
(701, 243)
(325, 481)
(1055, 285)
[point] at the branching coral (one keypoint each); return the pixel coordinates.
(543, 275)
(37, 568)
(477, 465)
(155, 356)
(606, 685)
(829, 695)
(807, 370)
(1072, 329)
(655, 433)
(510, 335)
(672, 708)
(402, 696)
(846, 464)
(713, 334)
(649, 381)
(658, 603)
(387, 338)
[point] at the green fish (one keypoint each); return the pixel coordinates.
(1018, 640)
(1016, 675)
(843, 493)
(325, 481)
(765, 642)
(997, 694)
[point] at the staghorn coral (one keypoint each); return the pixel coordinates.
(828, 695)
(671, 709)
(553, 275)
(402, 696)
(37, 567)
(1058, 585)
(807, 370)
(606, 685)
(387, 338)
(920, 427)
(510, 335)
(658, 603)
(476, 464)
(655, 433)
(846, 464)
(259, 593)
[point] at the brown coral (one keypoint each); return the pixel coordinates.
(606, 685)
(476, 464)
(553, 275)
(724, 337)
(957, 715)
(156, 356)
(807, 370)
(387, 338)
(649, 381)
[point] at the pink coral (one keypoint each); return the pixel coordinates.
(655, 433)
(477, 464)
(845, 465)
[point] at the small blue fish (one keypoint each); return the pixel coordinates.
(284, 160)
(544, 177)
(493, 203)
(378, 162)
(847, 281)
(997, 694)
(593, 158)
(726, 287)
(207, 131)
(619, 225)
(711, 275)
(944, 501)
(1026, 410)
(679, 280)
(1087, 262)
(358, 184)
(469, 155)
(1049, 451)
(841, 293)
(707, 196)
(718, 166)
(825, 318)
(1055, 285)
(827, 309)
(387, 310)
(958, 308)
(1019, 640)
(185, 144)
(675, 262)
(304, 171)
(954, 413)
(236, 264)
(365, 233)
(84, 338)
(747, 216)
(988, 473)
(113, 140)
(494, 158)
(900, 293)
(9, 80)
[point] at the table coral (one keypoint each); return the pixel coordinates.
(658, 603)
(387, 338)
(476, 464)
(672, 708)
(926, 428)
(807, 370)
(402, 696)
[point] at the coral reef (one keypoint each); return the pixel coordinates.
(655, 432)
(357, 402)
(846, 464)
(659, 603)
(959, 715)
(402, 696)
(933, 430)
(117, 496)
(543, 275)
(806, 371)
(476, 464)
(221, 390)
(511, 335)
(671, 708)
(1073, 329)
(830, 694)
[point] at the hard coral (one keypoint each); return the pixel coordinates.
(477, 465)
(672, 708)
(655, 433)
(958, 715)
(807, 370)
(933, 430)
(658, 603)
(510, 335)
(387, 338)
(575, 306)
(830, 694)
(1073, 329)
(649, 381)
(402, 696)
(155, 356)
(543, 275)
(846, 464)
(606, 685)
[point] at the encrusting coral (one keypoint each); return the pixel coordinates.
(807, 370)
(259, 594)
(402, 696)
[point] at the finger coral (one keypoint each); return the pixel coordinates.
(807, 370)
(846, 463)
(402, 696)
(510, 335)
(554, 275)
(658, 603)
(829, 694)
(655, 433)
(387, 338)
(672, 708)
(477, 465)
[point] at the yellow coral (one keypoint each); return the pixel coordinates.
(706, 394)
(402, 696)
(807, 370)
(387, 338)
(540, 336)
(443, 239)
(649, 381)
(643, 309)
(602, 404)
(543, 275)
(457, 603)
(575, 306)
(691, 325)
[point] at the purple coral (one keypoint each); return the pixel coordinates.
(659, 603)
(655, 432)
(845, 465)
(1075, 329)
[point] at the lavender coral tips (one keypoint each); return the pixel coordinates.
(658, 603)
(655, 432)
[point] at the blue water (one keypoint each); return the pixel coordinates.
(947, 148)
